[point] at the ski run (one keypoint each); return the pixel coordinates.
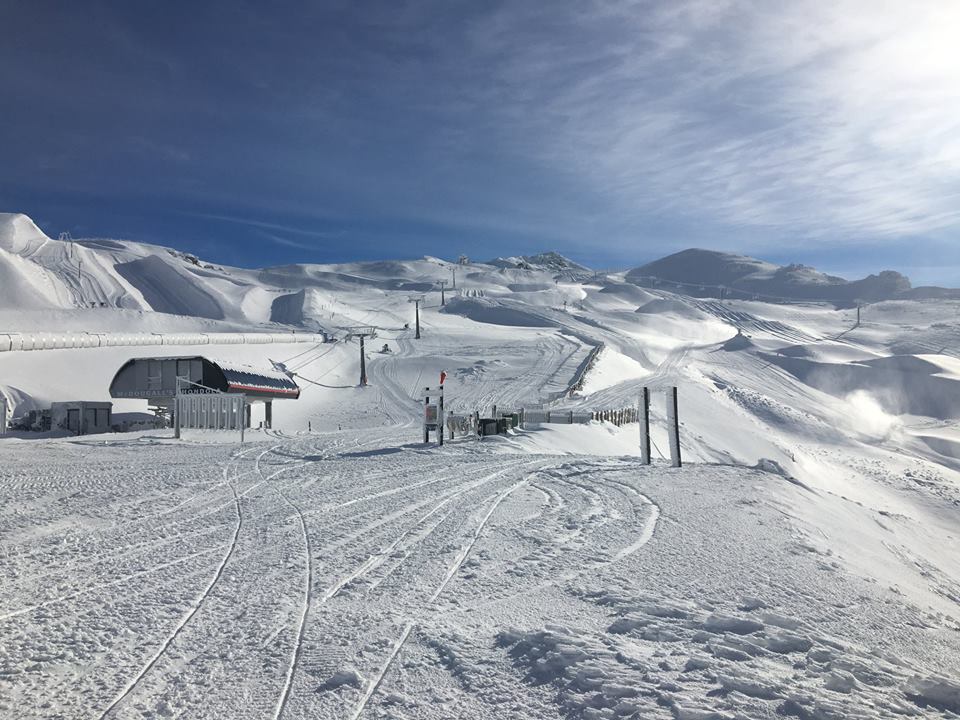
(804, 562)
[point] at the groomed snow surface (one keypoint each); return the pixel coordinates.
(803, 563)
(347, 575)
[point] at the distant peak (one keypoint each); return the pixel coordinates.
(712, 273)
(550, 260)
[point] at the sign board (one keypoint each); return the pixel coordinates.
(433, 413)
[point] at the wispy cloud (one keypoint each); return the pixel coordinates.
(260, 224)
(287, 242)
(810, 118)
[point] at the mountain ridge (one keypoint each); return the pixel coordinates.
(711, 273)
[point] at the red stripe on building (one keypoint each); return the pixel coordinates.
(274, 391)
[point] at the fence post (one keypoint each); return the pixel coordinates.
(673, 426)
(644, 419)
(426, 428)
(571, 417)
(176, 415)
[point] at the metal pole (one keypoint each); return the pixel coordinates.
(426, 428)
(454, 271)
(440, 418)
(176, 412)
(417, 303)
(673, 426)
(363, 365)
(644, 420)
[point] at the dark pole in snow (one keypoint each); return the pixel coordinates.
(176, 412)
(363, 365)
(417, 303)
(673, 426)
(440, 418)
(644, 418)
(426, 428)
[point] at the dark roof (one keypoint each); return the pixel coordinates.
(250, 379)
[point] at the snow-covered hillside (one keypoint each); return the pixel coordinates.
(805, 562)
(707, 273)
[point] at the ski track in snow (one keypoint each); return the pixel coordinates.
(193, 611)
(365, 550)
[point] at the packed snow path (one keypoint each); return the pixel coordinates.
(326, 576)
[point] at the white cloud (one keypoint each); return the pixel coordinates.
(811, 118)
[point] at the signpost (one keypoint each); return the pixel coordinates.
(433, 413)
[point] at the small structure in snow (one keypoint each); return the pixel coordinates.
(81, 417)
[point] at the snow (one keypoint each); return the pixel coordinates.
(804, 562)
(610, 369)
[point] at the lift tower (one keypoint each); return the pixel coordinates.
(362, 332)
(417, 300)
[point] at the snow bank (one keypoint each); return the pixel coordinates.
(611, 368)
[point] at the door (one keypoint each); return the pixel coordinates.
(91, 421)
(73, 420)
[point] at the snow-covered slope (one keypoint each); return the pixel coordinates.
(804, 562)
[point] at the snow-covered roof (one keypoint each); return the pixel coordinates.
(231, 366)
(247, 378)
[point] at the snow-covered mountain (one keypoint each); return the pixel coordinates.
(703, 273)
(120, 277)
(550, 260)
(802, 563)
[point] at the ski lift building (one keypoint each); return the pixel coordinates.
(155, 379)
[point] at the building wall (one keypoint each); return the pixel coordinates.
(82, 418)
(157, 377)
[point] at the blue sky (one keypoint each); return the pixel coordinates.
(615, 131)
